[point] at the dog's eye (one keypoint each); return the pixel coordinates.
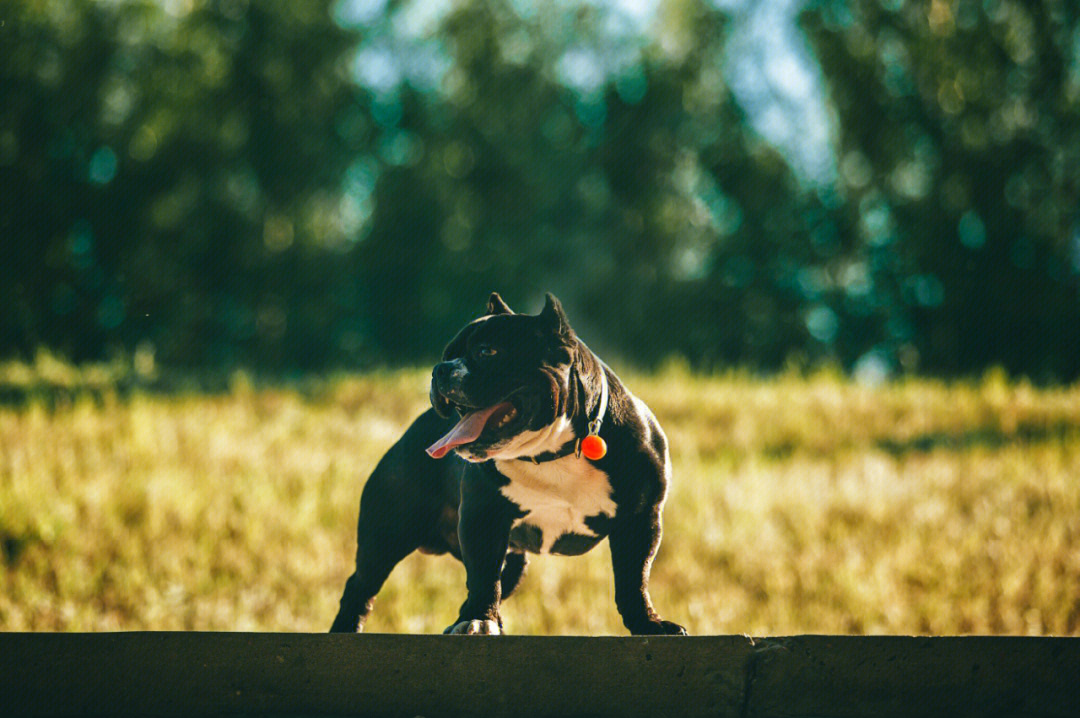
(486, 350)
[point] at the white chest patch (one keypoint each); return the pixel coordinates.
(557, 496)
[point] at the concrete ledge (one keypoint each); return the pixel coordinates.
(903, 676)
(174, 674)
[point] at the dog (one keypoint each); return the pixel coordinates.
(495, 471)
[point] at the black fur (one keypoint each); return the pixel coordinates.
(457, 506)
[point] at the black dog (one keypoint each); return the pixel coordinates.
(527, 391)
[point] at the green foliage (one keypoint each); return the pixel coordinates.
(960, 166)
(222, 182)
(166, 178)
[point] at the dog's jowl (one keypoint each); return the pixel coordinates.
(494, 471)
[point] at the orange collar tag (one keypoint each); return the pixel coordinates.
(593, 447)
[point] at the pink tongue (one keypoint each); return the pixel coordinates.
(467, 430)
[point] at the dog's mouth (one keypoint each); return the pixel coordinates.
(474, 422)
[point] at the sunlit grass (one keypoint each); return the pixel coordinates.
(798, 505)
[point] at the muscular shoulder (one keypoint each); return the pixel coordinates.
(639, 448)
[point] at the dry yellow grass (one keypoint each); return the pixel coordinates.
(798, 505)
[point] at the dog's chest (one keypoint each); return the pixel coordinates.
(560, 499)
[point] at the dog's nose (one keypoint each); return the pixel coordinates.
(444, 380)
(447, 378)
(441, 373)
(450, 373)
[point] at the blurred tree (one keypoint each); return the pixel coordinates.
(304, 185)
(960, 164)
(725, 221)
(639, 196)
(171, 175)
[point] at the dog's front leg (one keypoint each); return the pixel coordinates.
(634, 540)
(484, 521)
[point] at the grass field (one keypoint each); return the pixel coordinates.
(798, 505)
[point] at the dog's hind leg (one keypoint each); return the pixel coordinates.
(377, 553)
(356, 603)
(408, 503)
(359, 596)
(384, 536)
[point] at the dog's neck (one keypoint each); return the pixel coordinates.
(587, 390)
(590, 384)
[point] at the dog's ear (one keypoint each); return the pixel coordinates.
(553, 316)
(496, 305)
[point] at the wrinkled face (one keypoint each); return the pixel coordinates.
(503, 374)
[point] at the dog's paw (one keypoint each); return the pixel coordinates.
(659, 627)
(474, 628)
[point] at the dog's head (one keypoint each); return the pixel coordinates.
(506, 376)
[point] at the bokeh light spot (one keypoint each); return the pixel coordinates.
(971, 230)
(102, 166)
(822, 323)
